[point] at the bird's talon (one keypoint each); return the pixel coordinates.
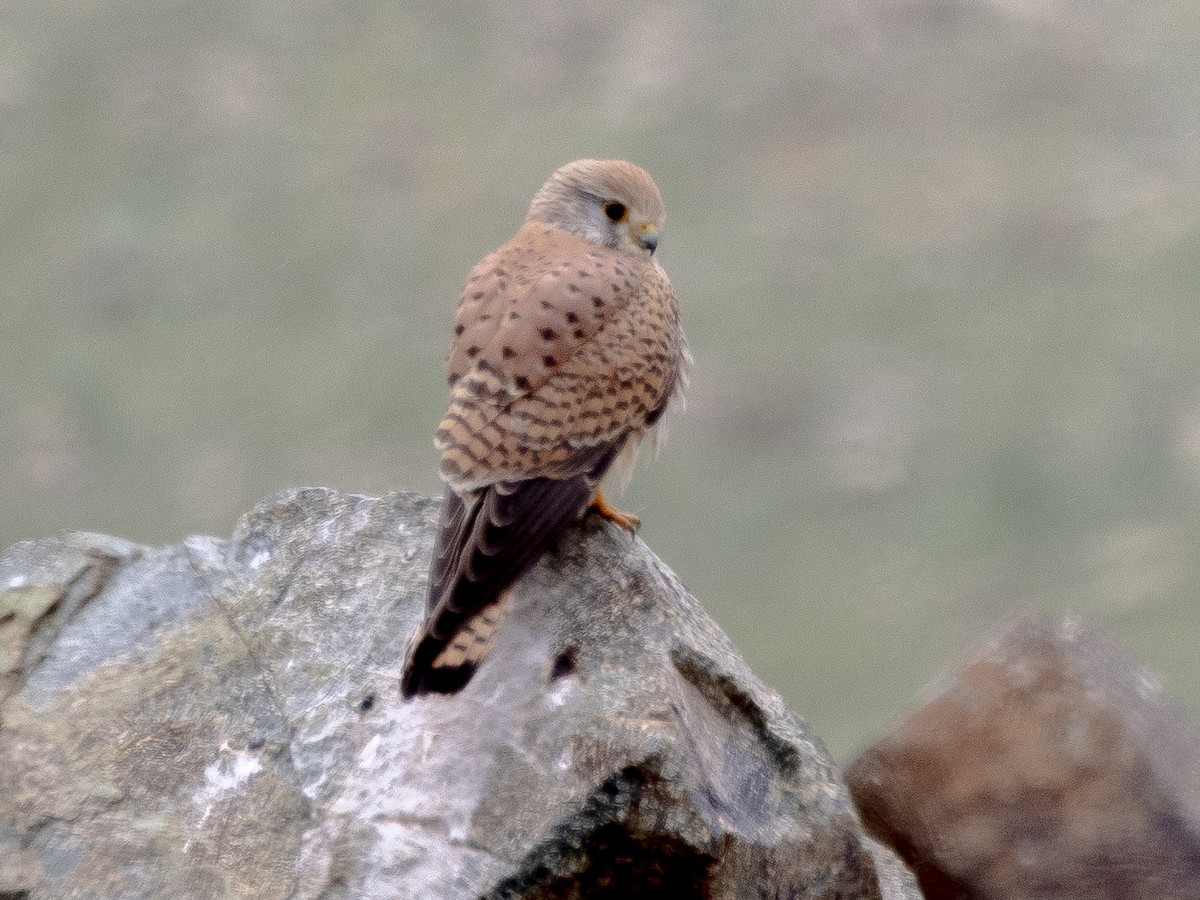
(628, 521)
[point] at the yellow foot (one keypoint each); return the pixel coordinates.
(626, 520)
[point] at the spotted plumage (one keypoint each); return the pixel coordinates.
(567, 349)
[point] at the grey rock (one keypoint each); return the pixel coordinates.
(220, 718)
(896, 879)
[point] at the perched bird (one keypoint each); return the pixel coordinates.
(567, 350)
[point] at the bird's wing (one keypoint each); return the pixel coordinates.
(545, 368)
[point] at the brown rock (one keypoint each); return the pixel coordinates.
(1053, 766)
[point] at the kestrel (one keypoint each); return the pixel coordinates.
(567, 350)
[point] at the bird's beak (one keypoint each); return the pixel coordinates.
(647, 236)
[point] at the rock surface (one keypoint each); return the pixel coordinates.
(220, 718)
(1052, 766)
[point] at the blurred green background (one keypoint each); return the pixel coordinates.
(938, 261)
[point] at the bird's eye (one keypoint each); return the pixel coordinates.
(615, 211)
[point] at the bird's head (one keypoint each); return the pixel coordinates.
(607, 201)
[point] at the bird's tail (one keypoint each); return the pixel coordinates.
(485, 542)
(444, 666)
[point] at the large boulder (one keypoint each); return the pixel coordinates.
(220, 718)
